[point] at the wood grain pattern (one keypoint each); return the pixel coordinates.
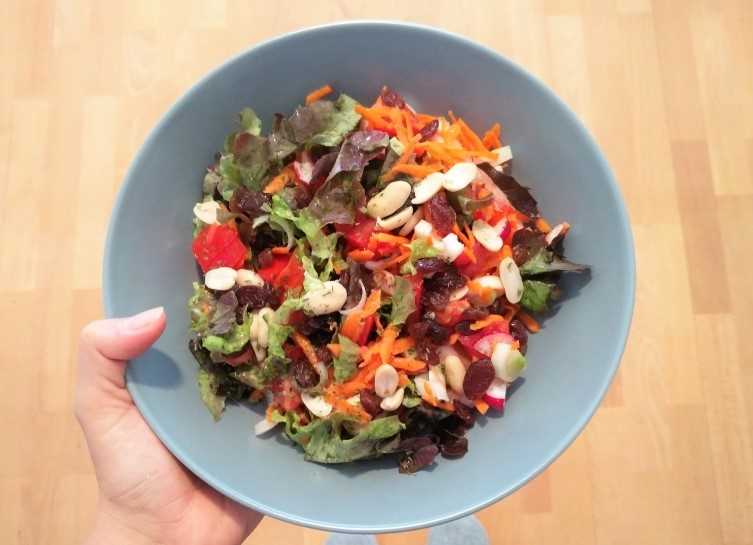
(666, 86)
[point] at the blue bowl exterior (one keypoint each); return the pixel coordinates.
(571, 362)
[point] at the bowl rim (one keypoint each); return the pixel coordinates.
(628, 288)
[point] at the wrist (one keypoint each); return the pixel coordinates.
(109, 529)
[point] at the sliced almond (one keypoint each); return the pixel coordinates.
(317, 405)
(389, 199)
(207, 211)
(454, 371)
(459, 176)
(395, 220)
(385, 380)
(220, 279)
(487, 236)
(511, 280)
(438, 383)
(393, 402)
(504, 154)
(247, 277)
(428, 187)
(411, 223)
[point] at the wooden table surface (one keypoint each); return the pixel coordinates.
(667, 89)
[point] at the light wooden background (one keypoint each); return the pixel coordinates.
(667, 89)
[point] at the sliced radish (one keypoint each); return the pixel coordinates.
(487, 343)
(555, 232)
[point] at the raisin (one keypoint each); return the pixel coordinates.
(435, 300)
(430, 265)
(370, 402)
(391, 98)
(418, 330)
(465, 414)
(519, 333)
(249, 202)
(437, 332)
(304, 373)
(256, 297)
(455, 448)
(319, 329)
(440, 214)
(427, 351)
(430, 129)
(419, 459)
(478, 378)
(474, 314)
(414, 443)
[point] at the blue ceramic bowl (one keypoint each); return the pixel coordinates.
(571, 362)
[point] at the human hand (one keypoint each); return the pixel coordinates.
(145, 495)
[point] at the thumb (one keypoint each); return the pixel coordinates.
(104, 348)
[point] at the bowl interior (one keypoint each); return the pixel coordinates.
(571, 362)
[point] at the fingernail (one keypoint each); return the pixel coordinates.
(143, 319)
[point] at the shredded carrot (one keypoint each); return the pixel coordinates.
(531, 324)
(308, 349)
(397, 123)
(387, 342)
(402, 345)
(343, 406)
(335, 348)
(403, 379)
(409, 365)
(352, 325)
(317, 94)
(409, 147)
(372, 304)
(387, 238)
(454, 338)
(379, 325)
(481, 406)
(506, 251)
(417, 171)
(373, 118)
(476, 144)
(338, 266)
(361, 256)
(361, 381)
(407, 119)
(280, 250)
(404, 255)
(463, 238)
(489, 320)
(491, 137)
(280, 181)
(543, 225)
(425, 118)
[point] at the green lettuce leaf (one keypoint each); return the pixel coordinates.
(250, 122)
(201, 307)
(342, 119)
(279, 331)
(403, 301)
(411, 398)
(345, 364)
(230, 342)
(419, 249)
(536, 295)
(251, 157)
(322, 440)
(322, 246)
(208, 387)
(546, 261)
(230, 177)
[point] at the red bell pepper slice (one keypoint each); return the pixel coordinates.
(358, 234)
(219, 246)
(285, 272)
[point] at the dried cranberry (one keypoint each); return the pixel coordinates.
(455, 448)
(249, 202)
(324, 354)
(430, 265)
(519, 332)
(440, 214)
(304, 373)
(256, 297)
(391, 98)
(478, 378)
(265, 258)
(370, 402)
(430, 129)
